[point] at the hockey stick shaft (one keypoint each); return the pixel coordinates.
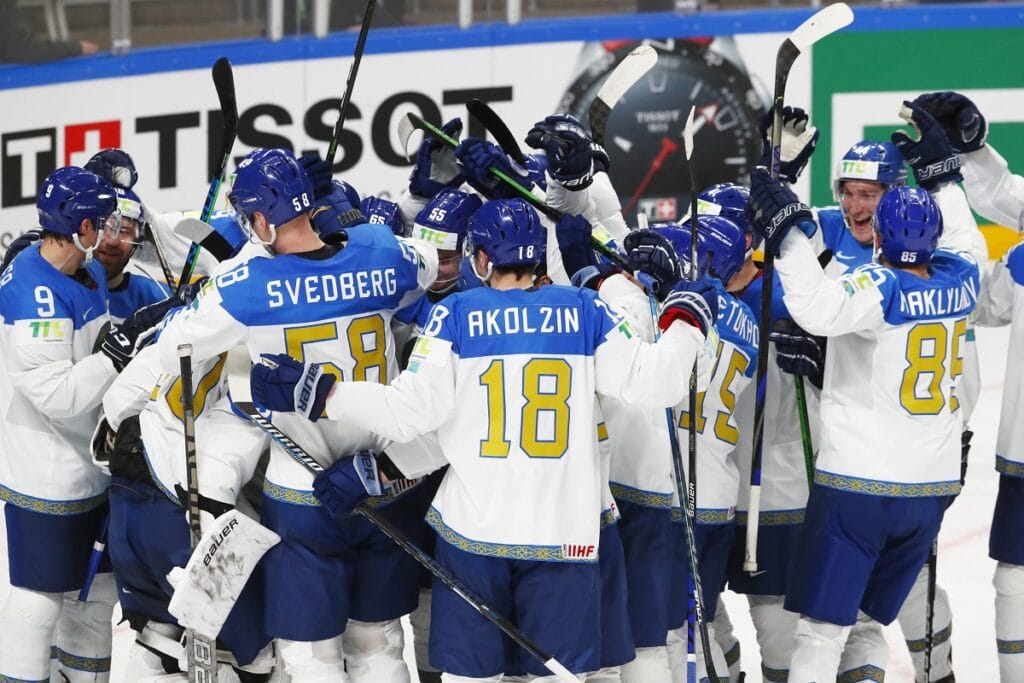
(200, 651)
(497, 127)
(353, 71)
(443, 575)
(535, 201)
(95, 557)
(224, 81)
(929, 618)
(805, 428)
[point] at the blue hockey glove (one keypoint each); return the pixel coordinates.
(383, 212)
(931, 156)
(319, 173)
(574, 242)
(435, 167)
(569, 149)
(24, 240)
(348, 482)
(115, 165)
(773, 209)
(651, 253)
(798, 142)
(695, 303)
(334, 213)
(283, 384)
(965, 127)
(798, 352)
(477, 156)
(602, 162)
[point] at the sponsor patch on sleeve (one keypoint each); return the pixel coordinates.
(45, 331)
(428, 351)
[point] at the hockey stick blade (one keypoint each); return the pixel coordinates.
(634, 65)
(821, 24)
(405, 131)
(688, 136)
(494, 124)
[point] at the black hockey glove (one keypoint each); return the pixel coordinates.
(569, 149)
(651, 253)
(798, 352)
(695, 303)
(319, 172)
(931, 155)
(965, 127)
(115, 165)
(773, 209)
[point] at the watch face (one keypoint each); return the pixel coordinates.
(644, 136)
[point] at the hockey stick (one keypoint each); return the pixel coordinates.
(224, 82)
(201, 651)
(494, 125)
(350, 82)
(818, 26)
(241, 396)
(929, 618)
(410, 122)
(632, 67)
(95, 556)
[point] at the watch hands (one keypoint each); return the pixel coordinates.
(667, 147)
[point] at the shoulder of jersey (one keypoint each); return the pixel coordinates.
(954, 263)
(28, 272)
(737, 323)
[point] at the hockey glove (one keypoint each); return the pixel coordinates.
(383, 212)
(348, 482)
(115, 165)
(931, 155)
(281, 383)
(798, 352)
(334, 213)
(574, 242)
(773, 209)
(23, 241)
(965, 127)
(435, 167)
(569, 149)
(117, 346)
(652, 254)
(602, 162)
(319, 173)
(695, 303)
(478, 156)
(798, 142)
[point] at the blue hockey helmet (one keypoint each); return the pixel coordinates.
(679, 236)
(725, 243)
(271, 182)
(909, 224)
(383, 212)
(444, 221)
(729, 200)
(873, 162)
(509, 231)
(70, 195)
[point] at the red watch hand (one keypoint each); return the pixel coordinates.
(667, 147)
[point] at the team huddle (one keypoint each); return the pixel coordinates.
(460, 409)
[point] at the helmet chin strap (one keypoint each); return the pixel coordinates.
(88, 251)
(486, 277)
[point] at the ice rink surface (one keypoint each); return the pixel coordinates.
(964, 568)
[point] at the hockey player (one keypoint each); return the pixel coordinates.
(331, 304)
(128, 291)
(53, 303)
(873, 515)
(997, 195)
(535, 357)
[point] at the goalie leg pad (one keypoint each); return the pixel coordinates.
(83, 634)
(373, 652)
(1009, 585)
(912, 618)
(818, 648)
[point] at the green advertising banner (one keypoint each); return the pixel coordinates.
(859, 81)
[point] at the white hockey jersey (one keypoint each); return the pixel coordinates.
(891, 419)
(50, 398)
(508, 378)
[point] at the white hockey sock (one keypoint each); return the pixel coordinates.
(912, 618)
(650, 666)
(1009, 585)
(774, 626)
(816, 655)
(317, 662)
(677, 651)
(373, 652)
(452, 678)
(866, 652)
(27, 623)
(727, 641)
(609, 674)
(84, 633)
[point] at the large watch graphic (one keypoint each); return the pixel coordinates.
(644, 134)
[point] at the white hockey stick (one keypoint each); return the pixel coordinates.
(632, 67)
(820, 25)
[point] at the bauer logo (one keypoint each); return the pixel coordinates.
(217, 541)
(572, 551)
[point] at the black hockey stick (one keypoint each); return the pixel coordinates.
(929, 617)
(224, 81)
(353, 69)
(241, 396)
(494, 125)
(634, 65)
(821, 24)
(200, 650)
(410, 122)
